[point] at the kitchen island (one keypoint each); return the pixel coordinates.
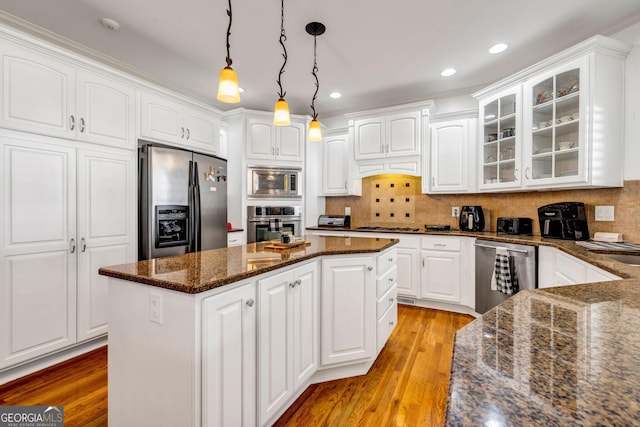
(233, 336)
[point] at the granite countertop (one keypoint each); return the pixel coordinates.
(560, 356)
(201, 271)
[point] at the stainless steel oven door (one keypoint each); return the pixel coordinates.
(265, 230)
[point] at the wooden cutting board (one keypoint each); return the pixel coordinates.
(278, 246)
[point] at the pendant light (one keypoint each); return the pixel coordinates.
(315, 133)
(281, 115)
(228, 90)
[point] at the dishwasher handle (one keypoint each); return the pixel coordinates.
(480, 245)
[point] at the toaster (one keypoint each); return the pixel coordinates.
(509, 225)
(334, 221)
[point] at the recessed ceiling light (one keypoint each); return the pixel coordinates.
(240, 89)
(497, 48)
(448, 72)
(335, 95)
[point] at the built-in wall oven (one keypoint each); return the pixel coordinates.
(274, 182)
(268, 222)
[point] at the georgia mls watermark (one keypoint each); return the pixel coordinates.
(31, 416)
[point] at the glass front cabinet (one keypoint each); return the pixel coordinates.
(501, 143)
(556, 118)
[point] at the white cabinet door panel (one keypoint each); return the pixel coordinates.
(403, 134)
(160, 119)
(106, 111)
(449, 156)
(201, 131)
(38, 305)
(408, 272)
(260, 139)
(369, 135)
(39, 92)
(441, 276)
(92, 288)
(336, 167)
(291, 146)
(305, 324)
(229, 358)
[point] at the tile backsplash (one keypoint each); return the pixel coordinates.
(392, 200)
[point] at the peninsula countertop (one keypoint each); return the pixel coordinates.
(202, 271)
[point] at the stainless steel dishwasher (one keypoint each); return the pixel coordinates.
(526, 269)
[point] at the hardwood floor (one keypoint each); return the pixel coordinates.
(79, 384)
(407, 385)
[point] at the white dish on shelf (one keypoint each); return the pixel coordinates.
(565, 145)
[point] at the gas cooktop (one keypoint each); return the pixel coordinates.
(367, 228)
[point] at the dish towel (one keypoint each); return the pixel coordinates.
(504, 278)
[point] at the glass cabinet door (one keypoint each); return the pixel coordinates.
(499, 156)
(555, 112)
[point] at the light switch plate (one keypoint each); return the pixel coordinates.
(347, 211)
(604, 213)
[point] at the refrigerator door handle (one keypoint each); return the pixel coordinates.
(190, 201)
(197, 209)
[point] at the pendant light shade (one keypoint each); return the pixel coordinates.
(281, 115)
(228, 90)
(281, 112)
(315, 133)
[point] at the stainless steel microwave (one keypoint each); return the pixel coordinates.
(274, 182)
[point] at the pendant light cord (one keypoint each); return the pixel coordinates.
(314, 72)
(283, 38)
(229, 35)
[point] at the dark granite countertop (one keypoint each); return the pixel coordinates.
(560, 356)
(201, 271)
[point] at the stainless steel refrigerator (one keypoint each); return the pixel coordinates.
(182, 201)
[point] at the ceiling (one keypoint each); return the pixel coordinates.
(375, 52)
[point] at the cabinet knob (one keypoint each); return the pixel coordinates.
(390, 279)
(370, 268)
(391, 323)
(292, 284)
(72, 245)
(72, 122)
(391, 299)
(250, 303)
(298, 282)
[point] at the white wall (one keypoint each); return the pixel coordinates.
(632, 115)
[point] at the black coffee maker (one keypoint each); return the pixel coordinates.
(567, 220)
(471, 218)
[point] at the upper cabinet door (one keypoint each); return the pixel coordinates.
(106, 111)
(38, 93)
(336, 171)
(201, 130)
(161, 119)
(403, 134)
(261, 137)
(369, 138)
(450, 156)
(291, 142)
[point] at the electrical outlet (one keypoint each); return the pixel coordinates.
(155, 308)
(604, 213)
(455, 211)
(347, 211)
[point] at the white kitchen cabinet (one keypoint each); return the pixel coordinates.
(265, 141)
(49, 95)
(229, 358)
(558, 268)
(348, 309)
(335, 173)
(68, 212)
(500, 155)
(571, 121)
(441, 278)
(236, 238)
(449, 155)
(288, 336)
(387, 297)
(408, 255)
(165, 120)
(389, 140)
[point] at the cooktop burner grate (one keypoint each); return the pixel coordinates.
(368, 228)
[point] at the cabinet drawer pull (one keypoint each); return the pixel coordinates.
(292, 284)
(440, 245)
(391, 300)
(83, 245)
(298, 282)
(370, 268)
(72, 122)
(72, 245)
(250, 303)
(391, 323)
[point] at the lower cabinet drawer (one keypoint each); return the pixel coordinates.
(386, 325)
(385, 281)
(386, 260)
(386, 301)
